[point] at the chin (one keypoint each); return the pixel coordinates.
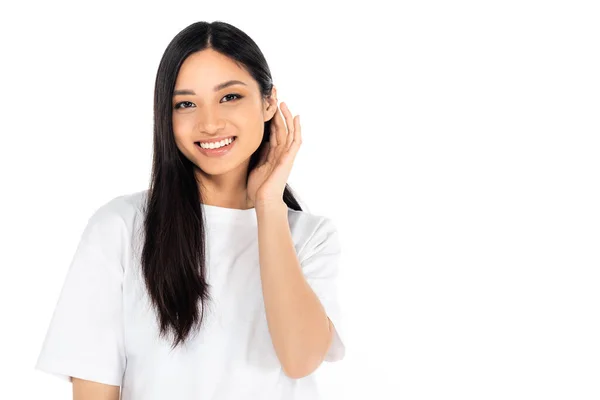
(219, 168)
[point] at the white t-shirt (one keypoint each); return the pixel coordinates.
(104, 328)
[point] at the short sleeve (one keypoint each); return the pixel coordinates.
(320, 264)
(85, 336)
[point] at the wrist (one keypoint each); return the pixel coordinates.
(270, 205)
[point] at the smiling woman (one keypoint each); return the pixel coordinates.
(215, 99)
(199, 287)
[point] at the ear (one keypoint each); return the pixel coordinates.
(270, 105)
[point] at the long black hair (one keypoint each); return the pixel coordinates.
(173, 254)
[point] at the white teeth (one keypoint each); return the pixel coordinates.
(216, 145)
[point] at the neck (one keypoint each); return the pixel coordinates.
(226, 190)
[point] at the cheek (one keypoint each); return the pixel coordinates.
(182, 123)
(241, 115)
(178, 133)
(182, 131)
(183, 128)
(248, 123)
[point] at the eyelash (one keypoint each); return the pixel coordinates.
(178, 105)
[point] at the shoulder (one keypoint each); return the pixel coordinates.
(124, 207)
(113, 221)
(312, 232)
(308, 222)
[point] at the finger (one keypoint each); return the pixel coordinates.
(274, 127)
(281, 131)
(295, 146)
(297, 131)
(272, 155)
(289, 124)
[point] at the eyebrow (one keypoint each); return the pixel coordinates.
(216, 88)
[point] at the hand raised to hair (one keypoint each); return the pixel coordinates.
(266, 182)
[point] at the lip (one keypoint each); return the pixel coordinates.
(216, 152)
(218, 139)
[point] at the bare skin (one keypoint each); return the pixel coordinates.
(236, 110)
(89, 390)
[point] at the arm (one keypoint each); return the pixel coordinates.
(89, 390)
(300, 330)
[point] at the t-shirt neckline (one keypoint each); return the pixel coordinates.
(229, 215)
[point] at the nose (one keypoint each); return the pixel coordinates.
(210, 121)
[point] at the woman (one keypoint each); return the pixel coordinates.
(213, 283)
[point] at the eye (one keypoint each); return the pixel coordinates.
(178, 105)
(233, 94)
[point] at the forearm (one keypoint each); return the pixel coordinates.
(300, 330)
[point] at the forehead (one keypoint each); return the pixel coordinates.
(207, 68)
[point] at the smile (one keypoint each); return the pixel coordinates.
(217, 149)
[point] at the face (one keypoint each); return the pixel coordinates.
(205, 112)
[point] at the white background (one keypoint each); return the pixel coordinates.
(455, 144)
